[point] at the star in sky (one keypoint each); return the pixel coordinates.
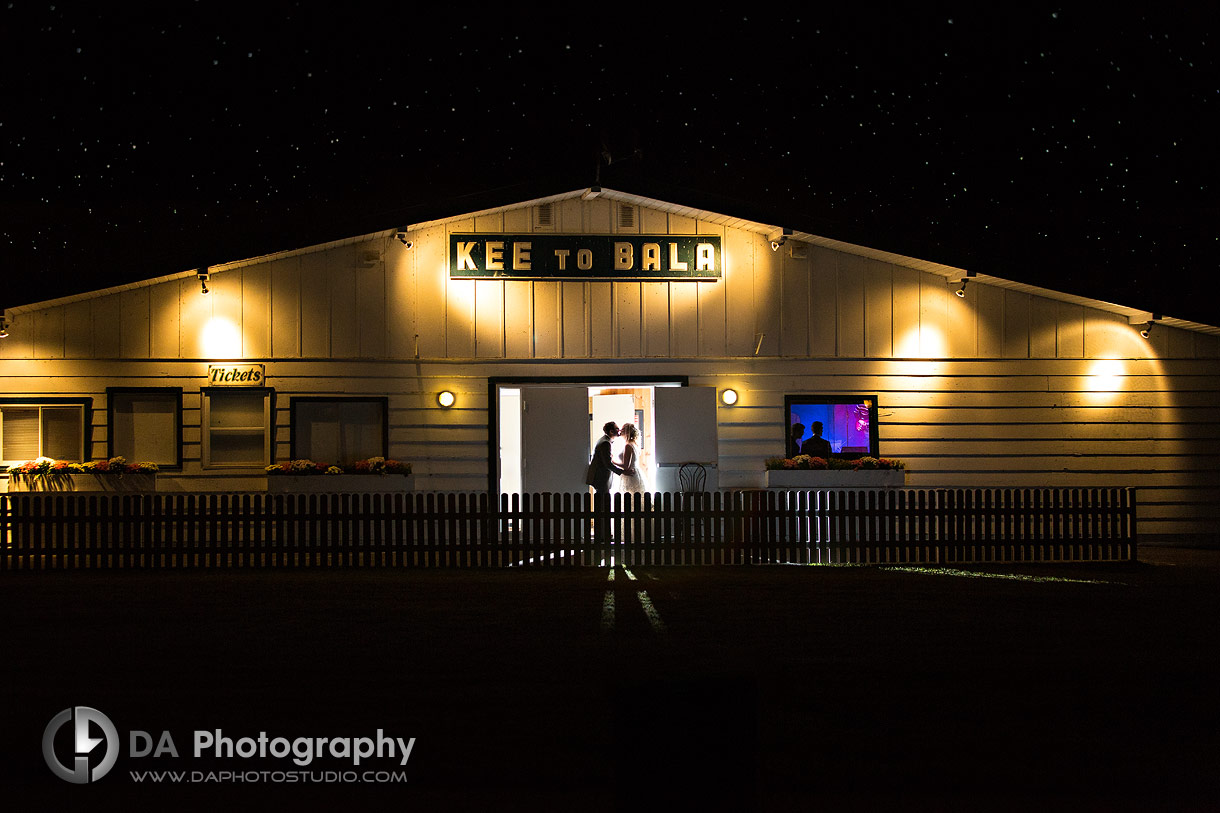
(1050, 147)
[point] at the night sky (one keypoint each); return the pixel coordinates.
(1050, 146)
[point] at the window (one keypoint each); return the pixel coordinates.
(236, 427)
(52, 428)
(146, 424)
(849, 422)
(339, 430)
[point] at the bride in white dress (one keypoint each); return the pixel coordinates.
(632, 480)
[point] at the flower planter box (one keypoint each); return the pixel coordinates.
(825, 478)
(132, 482)
(340, 483)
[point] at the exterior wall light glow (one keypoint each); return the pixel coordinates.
(728, 397)
(446, 398)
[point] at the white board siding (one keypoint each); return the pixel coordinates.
(992, 389)
(575, 319)
(490, 335)
(256, 311)
(318, 305)
(1014, 423)
(285, 313)
(315, 306)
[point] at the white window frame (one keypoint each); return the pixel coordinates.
(85, 405)
(207, 430)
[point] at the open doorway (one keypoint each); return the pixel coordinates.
(544, 430)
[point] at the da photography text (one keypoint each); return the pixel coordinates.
(75, 753)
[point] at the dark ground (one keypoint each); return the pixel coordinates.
(769, 688)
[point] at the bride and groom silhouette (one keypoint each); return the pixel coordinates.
(603, 466)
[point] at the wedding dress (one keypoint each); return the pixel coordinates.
(632, 480)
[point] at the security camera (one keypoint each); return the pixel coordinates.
(404, 238)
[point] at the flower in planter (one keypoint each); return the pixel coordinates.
(372, 465)
(305, 466)
(379, 465)
(397, 467)
(39, 465)
(45, 473)
(804, 462)
(115, 465)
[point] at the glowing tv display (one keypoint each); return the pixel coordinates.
(849, 422)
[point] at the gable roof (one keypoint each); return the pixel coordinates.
(950, 273)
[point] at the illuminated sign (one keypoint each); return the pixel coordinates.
(236, 375)
(584, 256)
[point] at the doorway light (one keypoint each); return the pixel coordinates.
(446, 399)
(728, 397)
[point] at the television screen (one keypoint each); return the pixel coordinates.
(848, 422)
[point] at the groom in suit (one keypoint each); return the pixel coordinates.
(602, 465)
(601, 468)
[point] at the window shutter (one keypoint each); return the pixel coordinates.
(19, 431)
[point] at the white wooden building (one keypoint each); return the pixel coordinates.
(343, 348)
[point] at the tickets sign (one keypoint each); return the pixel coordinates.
(236, 375)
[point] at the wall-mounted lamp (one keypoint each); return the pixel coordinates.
(778, 238)
(963, 279)
(3, 328)
(728, 397)
(1151, 319)
(446, 399)
(204, 276)
(404, 237)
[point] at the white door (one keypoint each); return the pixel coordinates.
(554, 439)
(686, 432)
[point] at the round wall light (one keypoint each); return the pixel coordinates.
(728, 397)
(446, 398)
